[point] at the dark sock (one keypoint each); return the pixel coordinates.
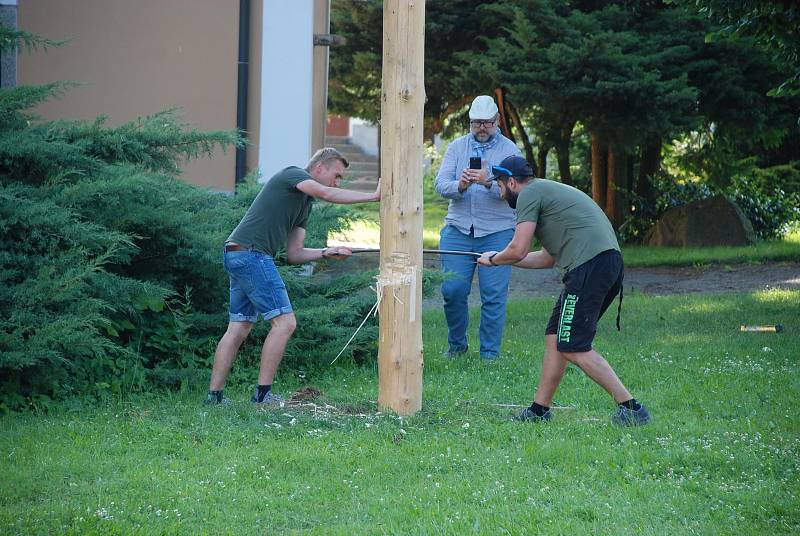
(262, 391)
(216, 395)
(539, 410)
(631, 404)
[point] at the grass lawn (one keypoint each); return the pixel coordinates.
(721, 457)
(786, 249)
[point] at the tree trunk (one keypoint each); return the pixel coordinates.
(649, 164)
(399, 283)
(513, 113)
(562, 148)
(630, 177)
(616, 180)
(563, 165)
(505, 127)
(599, 171)
(541, 160)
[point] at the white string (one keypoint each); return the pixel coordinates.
(412, 280)
(374, 308)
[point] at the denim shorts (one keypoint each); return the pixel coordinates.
(256, 287)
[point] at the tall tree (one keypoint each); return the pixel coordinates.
(532, 51)
(619, 68)
(774, 24)
(452, 36)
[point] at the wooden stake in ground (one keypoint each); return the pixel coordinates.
(400, 280)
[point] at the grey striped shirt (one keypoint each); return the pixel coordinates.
(478, 207)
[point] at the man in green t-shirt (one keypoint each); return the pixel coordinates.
(277, 218)
(577, 238)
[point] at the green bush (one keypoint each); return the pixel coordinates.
(769, 197)
(110, 268)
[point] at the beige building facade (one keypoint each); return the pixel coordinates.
(135, 58)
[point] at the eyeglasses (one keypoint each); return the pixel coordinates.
(484, 124)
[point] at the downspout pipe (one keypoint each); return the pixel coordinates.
(241, 88)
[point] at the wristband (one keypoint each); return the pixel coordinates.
(492, 257)
(322, 253)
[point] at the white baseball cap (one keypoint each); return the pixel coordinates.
(483, 107)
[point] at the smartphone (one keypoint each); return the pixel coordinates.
(475, 162)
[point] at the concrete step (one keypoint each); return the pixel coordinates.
(343, 145)
(361, 165)
(361, 184)
(353, 154)
(332, 140)
(345, 148)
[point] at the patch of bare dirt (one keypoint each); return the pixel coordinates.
(312, 399)
(303, 394)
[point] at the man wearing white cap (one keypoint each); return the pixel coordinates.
(478, 219)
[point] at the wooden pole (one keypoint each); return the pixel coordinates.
(400, 280)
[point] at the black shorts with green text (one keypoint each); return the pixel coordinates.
(588, 291)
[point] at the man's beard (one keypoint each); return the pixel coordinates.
(484, 137)
(511, 198)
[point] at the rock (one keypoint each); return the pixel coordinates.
(716, 221)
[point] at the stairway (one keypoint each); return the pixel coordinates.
(363, 172)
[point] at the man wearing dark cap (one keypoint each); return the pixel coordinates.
(578, 239)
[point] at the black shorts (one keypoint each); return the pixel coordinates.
(588, 291)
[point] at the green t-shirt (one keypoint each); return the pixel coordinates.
(569, 224)
(277, 209)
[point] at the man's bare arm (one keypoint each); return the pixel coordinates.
(338, 195)
(297, 253)
(515, 251)
(537, 259)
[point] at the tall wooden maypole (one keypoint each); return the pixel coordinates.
(400, 280)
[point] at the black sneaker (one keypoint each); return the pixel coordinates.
(527, 414)
(269, 400)
(213, 400)
(630, 417)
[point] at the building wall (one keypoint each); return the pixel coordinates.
(135, 58)
(286, 91)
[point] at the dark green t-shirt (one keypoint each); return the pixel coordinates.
(277, 209)
(569, 224)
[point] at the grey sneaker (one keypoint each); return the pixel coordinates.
(629, 417)
(212, 400)
(270, 400)
(527, 414)
(456, 351)
(489, 358)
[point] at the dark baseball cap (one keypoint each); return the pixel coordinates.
(512, 166)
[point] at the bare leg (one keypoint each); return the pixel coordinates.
(597, 368)
(272, 352)
(226, 353)
(553, 366)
